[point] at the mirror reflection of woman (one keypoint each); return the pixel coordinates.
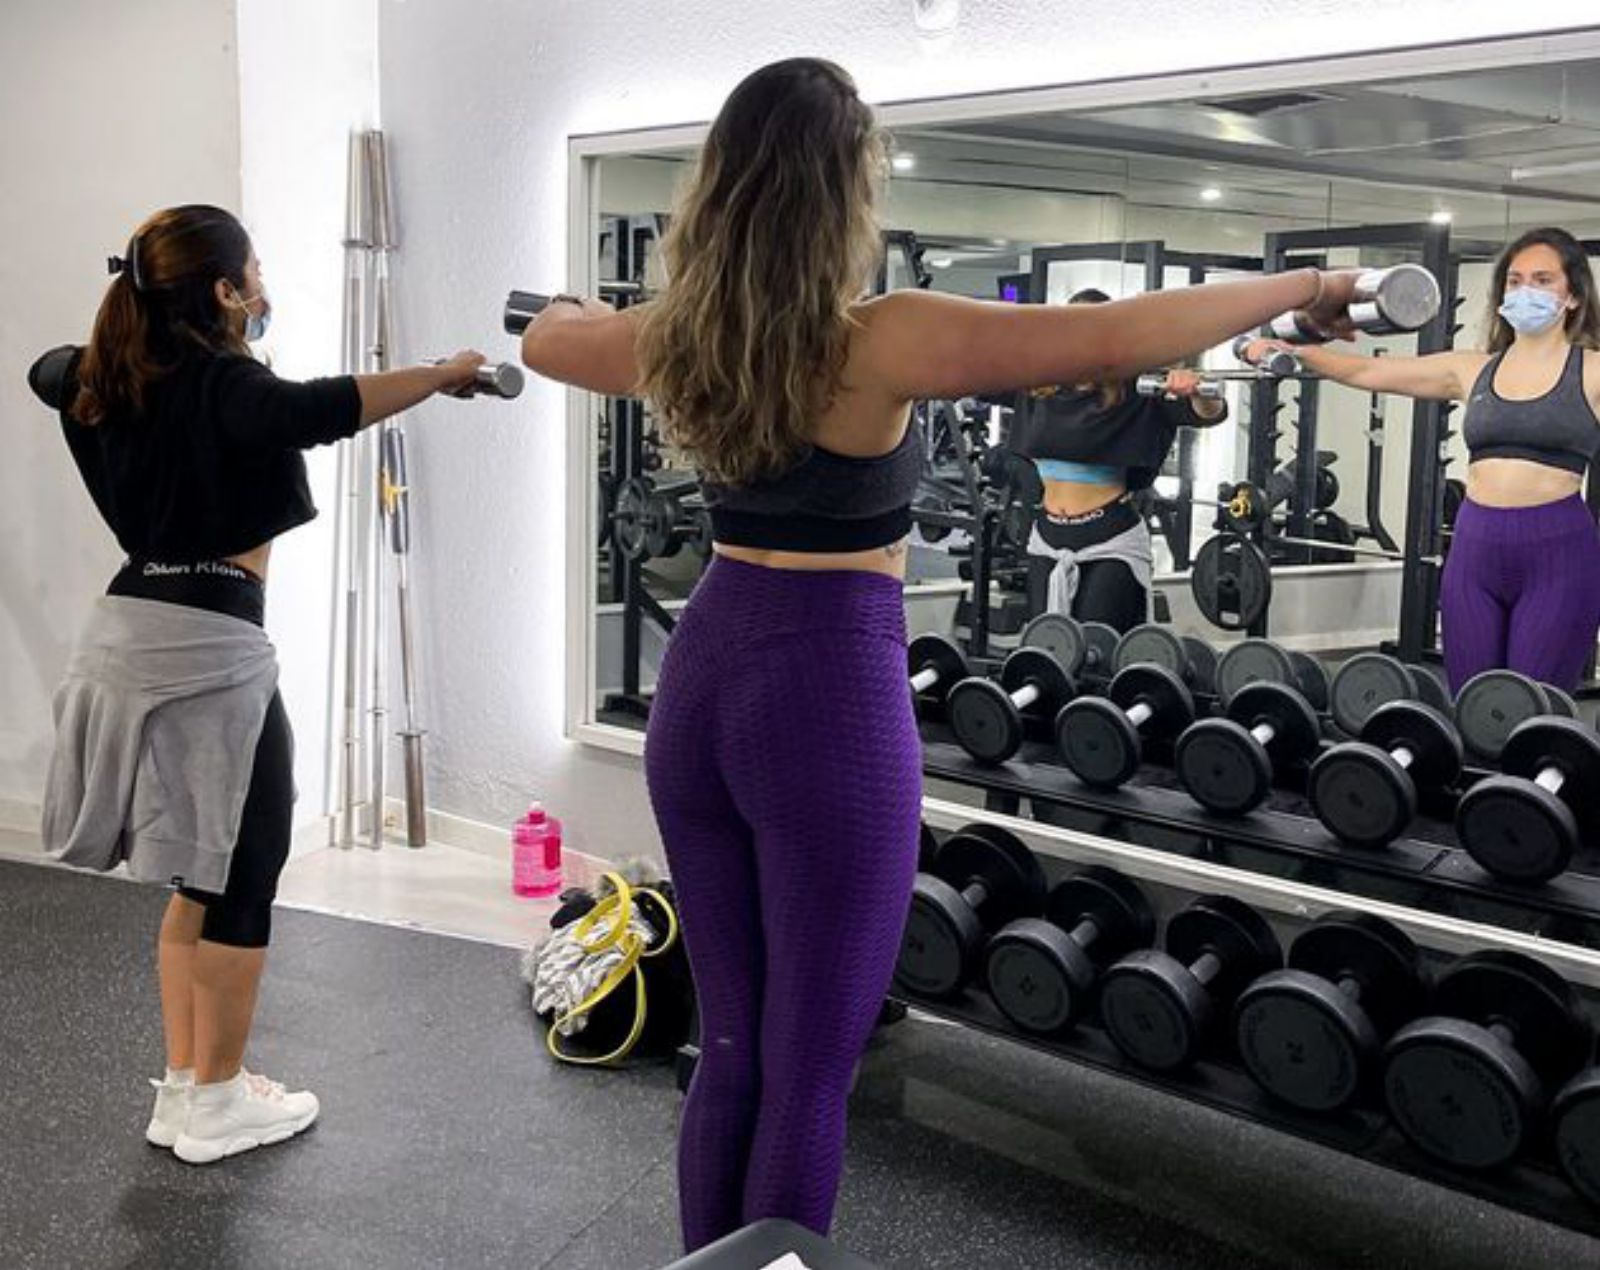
(782, 757)
(1521, 585)
(1095, 445)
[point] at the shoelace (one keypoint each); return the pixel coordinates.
(260, 1087)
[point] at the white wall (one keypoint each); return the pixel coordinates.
(308, 76)
(480, 108)
(111, 111)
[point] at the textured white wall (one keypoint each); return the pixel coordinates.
(111, 111)
(480, 105)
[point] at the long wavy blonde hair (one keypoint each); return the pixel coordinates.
(774, 239)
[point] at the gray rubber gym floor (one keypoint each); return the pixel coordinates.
(448, 1139)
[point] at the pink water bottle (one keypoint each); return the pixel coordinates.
(536, 854)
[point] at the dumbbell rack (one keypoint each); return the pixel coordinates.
(1425, 872)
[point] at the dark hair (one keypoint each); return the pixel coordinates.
(1583, 322)
(163, 298)
(773, 241)
(1111, 390)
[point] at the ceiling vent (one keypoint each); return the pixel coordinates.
(1260, 104)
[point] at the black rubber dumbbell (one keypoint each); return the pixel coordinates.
(1365, 682)
(1100, 738)
(1493, 704)
(1227, 764)
(1366, 791)
(1160, 1007)
(1042, 971)
(1468, 1084)
(983, 878)
(1191, 659)
(1575, 1118)
(1312, 1035)
(1261, 661)
(989, 718)
(1084, 649)
(1525, 824)
(935, 665)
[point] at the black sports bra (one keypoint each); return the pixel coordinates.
(1558, 429)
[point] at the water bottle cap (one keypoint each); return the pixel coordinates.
(535, 815)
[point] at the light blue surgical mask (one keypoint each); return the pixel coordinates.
(255, 324)
(1530, 311)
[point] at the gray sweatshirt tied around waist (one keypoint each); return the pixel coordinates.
(157, 723)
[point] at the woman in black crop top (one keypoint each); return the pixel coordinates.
(1094, 446)
(191, 451)
(782, 756)
(1521, 585)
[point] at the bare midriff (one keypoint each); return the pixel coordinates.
(1519, 483)
(255, 560)
(890, 560)
(1068, 498)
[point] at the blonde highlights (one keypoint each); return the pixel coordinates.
(774, 240)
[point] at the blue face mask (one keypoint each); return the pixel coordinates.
(255, 324)
(1529, 310)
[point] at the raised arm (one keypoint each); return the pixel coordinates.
(923, 344)
(1434, 376)
(588, 345)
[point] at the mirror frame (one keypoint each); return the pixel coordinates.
(585, 152)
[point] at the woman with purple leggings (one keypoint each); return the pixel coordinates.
(1521, 586)
(782, 757)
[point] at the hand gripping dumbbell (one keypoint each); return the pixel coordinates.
(1192, 660)
(988, 718)
(1100, 738)
(1227, 764)
(493, 379)
(1159, 1007)
(1386, 302)
(1493, 704)
(936, 665)
(1468, 1083)
(1273, 363)
(1366, 791)
(1042, 970)
(982, 878)
(1525, 824)
(1082, 648)
(1312, 1035)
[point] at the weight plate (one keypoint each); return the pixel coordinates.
(1097, 742)
(1252, 661)
(1160, 691)
(1202, 673)
(1375, 953)
(662, 513)
(986, 724)
(1304, 1041)
(1118, 907)
(1060, 636)
(701, 536)
(927, 849)
(1037, 668)
(1232, 582)
(1005, 866)
(606, 506)
(1561, 702)
(1501, 987)
(1327, 488)
(1311, 677)
(1361, 794)
(1576, 1116)
(1490, 705)
(1231, 930)
(934, 652)
(1459, 1093)
(1365, 682)
(1296, 731)
(1100, 654)
(1516, 830)
(629, 518)
(1431, 690)
(1151, 645)
(1223, 767)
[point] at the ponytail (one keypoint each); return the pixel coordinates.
(119, 362)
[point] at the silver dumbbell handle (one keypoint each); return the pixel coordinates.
(1025, 696)
(1139, 714)
(924, 679)
(1403, 756)
(1551, 778)
(1264, 732)
(501, 379)
(1154, 385)
(1386, 302)
(1277, 363)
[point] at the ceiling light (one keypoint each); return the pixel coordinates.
(1210, 194)
(904, 162)
(939, 262)
(1442, 217)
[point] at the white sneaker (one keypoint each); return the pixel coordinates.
(239, 1115)
(171, 1113)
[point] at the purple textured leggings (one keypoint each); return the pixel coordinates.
(786, 777)
(1521, 590)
